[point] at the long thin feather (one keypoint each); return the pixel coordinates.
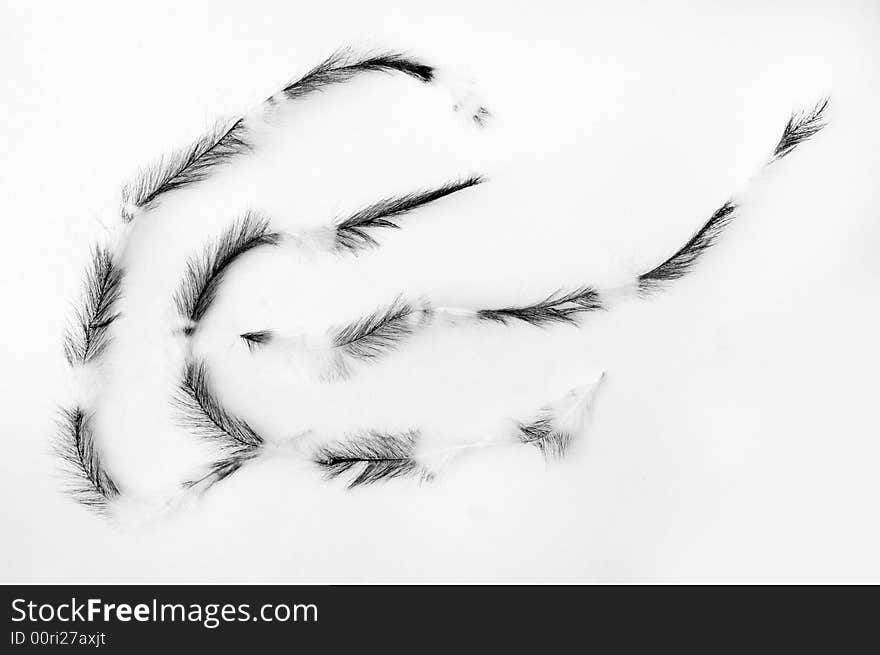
(203, 414)
(186, 166)
(354, 233)
(344, 64)
(89, 482)
(88, 339)
(561, 307)
(205, 272)
(685, 258)
(802, 126)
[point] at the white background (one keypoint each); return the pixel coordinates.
(736, 436)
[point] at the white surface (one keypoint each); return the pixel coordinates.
(735, 437)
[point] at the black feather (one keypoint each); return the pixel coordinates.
(372, 457)
(257, 338)
(201, 412)
(377, 333)
(801, 126)
(103, 288)
(557, 308)
(352, 233)
(542, 433)
(191, 164)
(220, 470)
(343, 64)
(686, 257)
(205, 272)
(372, 336)
(90, 482)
